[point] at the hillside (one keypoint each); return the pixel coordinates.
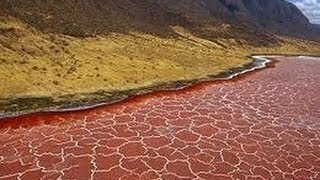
(73, 50)
(89, 18)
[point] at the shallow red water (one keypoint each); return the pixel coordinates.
(262, 126)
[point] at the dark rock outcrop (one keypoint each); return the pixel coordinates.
(274, 15)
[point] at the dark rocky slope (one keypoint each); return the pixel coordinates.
(249, 19)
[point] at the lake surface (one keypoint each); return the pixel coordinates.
(262, 125)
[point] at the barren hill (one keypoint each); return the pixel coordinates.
(84, 18)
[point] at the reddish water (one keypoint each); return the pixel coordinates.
(262, 126)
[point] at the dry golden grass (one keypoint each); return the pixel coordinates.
(33, 64)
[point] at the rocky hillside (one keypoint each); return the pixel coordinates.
(205, 18)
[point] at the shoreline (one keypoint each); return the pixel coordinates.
(48, 105)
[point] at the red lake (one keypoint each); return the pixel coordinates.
(262, 125)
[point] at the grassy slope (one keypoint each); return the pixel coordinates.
(33, 64)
